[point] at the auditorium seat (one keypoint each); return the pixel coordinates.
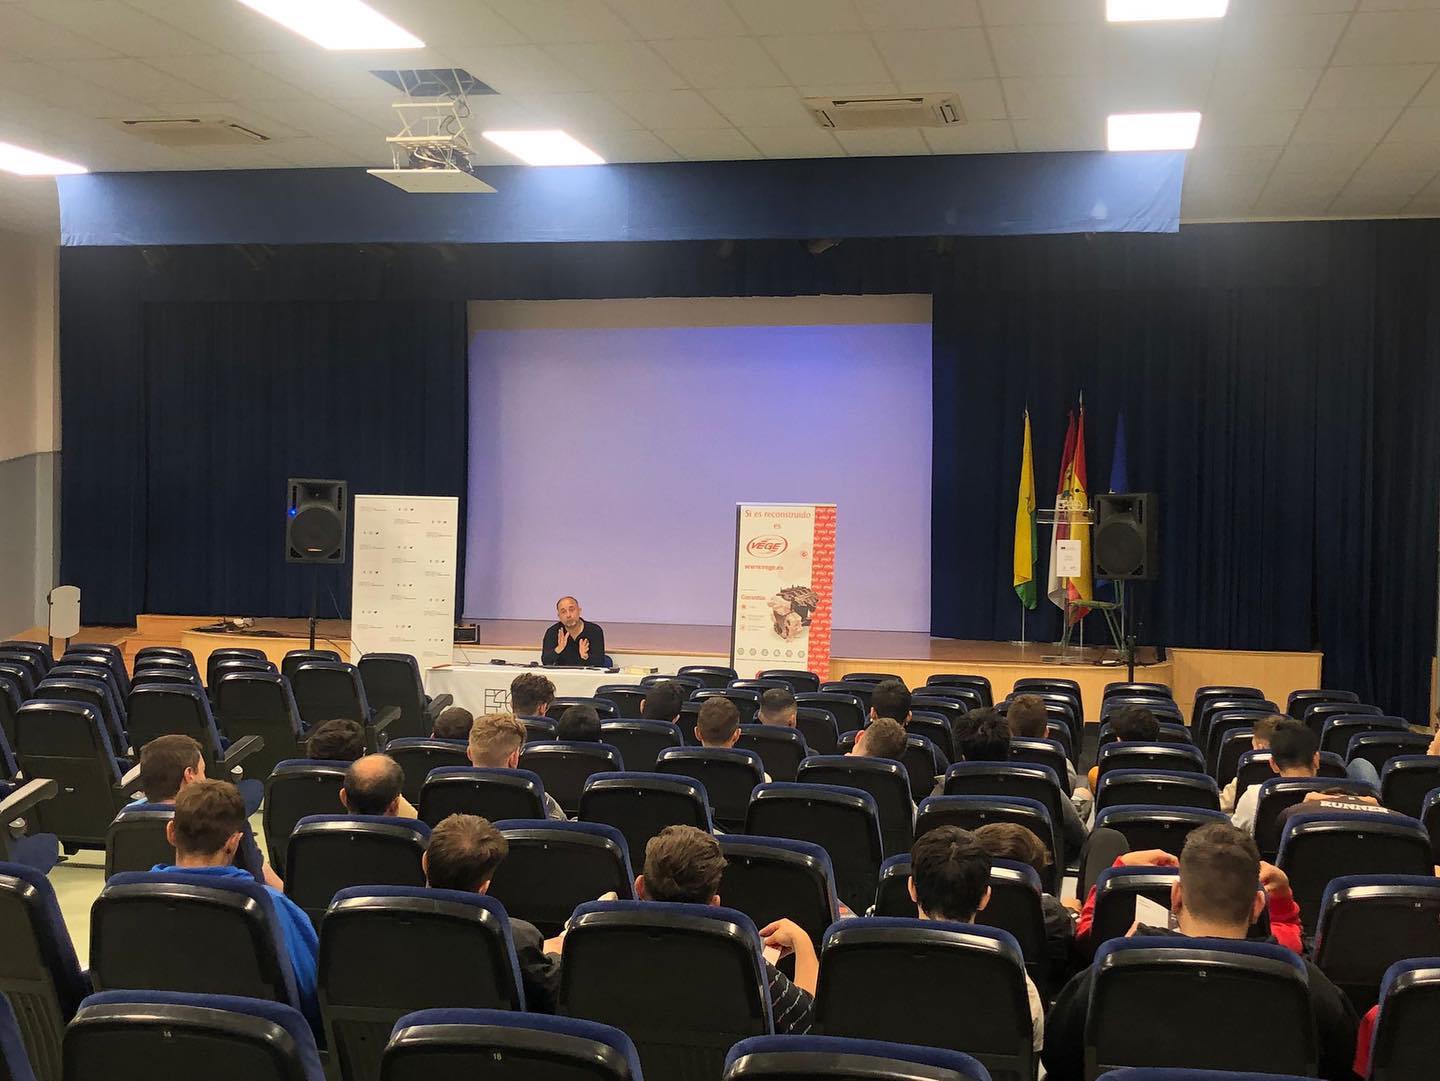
(537, 729)
(1369, 922)
(164, 655)
(1377, 748)
(1159, 1001)
(771, 878)
(871, 677)
(19, 798)
(326, 690)
(1147, 826)
(709, 675)
(952, 709)
(892, 892)
(418, 756)
(230, 653)
(1254, 768)
(296, 657)
(1059, 731)
(1430, 817)
(1301, 700)
(887, 782)
(973, 811)
(1047, 685)
(21, 671)
(146, 927)
(1206, 694)
(136, 839)
(1316, 849)
(760, 685)
(1406, 780)
(1041, 752)
(298, 788)
(14, 1059)
(1407, 1039)
(918, 759)
(10, 702)
(1222, 723)
(686, 683)
(464, 1045)
(108, 655)
(1317, 713)
(329, 853)
(260, 704)
(490, 792)
(1234, 743)
(565, 765)
(68, 743)
(163, 711)
(1059, 706)
(1015, 907)
(640, 805)
(1171, 734)
(747, 702)
(166, 1036)
(392, 680)
(834, 1058)
(39, 652)
(978, 683)
(1156, 788)
(845, 822)
(1123, 689)
(861, 689)
(728, 775)
(231, 667)
(633, 965)
(40, 975)
(909, 959)
(1339, 729)
(687, 722)
(1213, 707)
(1115, 891)
(935, 727)
(799, 682)
(71, 683)
(819, 727)
(1278, 793)
(1135, 755)
(780, 749)
(1164, 709)
(389, 951)
(175, 675)
(1013, 779)
(605, 709)
(554, 866)
(849, 712)
(625, 697)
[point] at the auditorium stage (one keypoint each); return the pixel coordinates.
(911, 655)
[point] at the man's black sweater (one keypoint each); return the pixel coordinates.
(570, 655)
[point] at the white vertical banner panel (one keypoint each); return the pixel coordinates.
(784, 587)
(403, 597)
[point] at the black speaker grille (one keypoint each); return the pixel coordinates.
(1119, 546)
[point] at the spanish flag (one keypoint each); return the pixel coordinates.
(1025, 525)
(1071, 493)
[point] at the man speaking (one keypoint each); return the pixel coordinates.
(572, 642)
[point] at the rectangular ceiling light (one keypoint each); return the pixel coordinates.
(545, 147)
(22, 162)
(337, 24)
(1150, 11)
(1152, 131)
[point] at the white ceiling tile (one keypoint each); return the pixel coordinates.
(563, 20)
(448, 22)
(775, 107)
(1054, 133)
(1405, 157)
(1135, 89)
(1299, 194)
(896, 142)
(1344, 125)
(937, 58)
(1225, 160)
(670, 109)
(1371, 86)
(918, 14)
(1396, 37)
(323, 119)
(22, 33)
(975, 137)
(1416, 126)
(1294, 7)
(617, 65)
(981, 99)
(808, 142)
(798, 16)
(318, 154)
(226, 25)
(1389, 185)
(326, 75)
(680, 18)
(1427, 202)
(1030, 12)
(1262, 88)
(518, 69)
(118, 26)
(849, 90)
(1261, 127)
(1360, 202)
(1230, 198)
(825, 58)
(1069, 98)
(30, 205)
(1322, 158)
(630, 146)
(134, 79)
(225, 77)
(725, 144)
(1429, 96)
(236, 157)
(576, 113)
(42, 82)
(1048, 49)
(1280, 41)
(1399, 5)
(716, 63)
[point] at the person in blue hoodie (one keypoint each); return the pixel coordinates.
(208, 826)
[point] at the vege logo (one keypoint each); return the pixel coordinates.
(767, 546)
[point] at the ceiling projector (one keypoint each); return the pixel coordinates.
(431, 153)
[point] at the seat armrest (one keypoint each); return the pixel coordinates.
(24, 798)
(240, 750)
(382, 719)
(130, 783)
(435, 706)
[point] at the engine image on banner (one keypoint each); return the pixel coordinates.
(784, 587)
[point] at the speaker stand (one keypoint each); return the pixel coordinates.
(314, 604)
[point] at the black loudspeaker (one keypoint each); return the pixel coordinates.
(1124, 541)
(315, 522)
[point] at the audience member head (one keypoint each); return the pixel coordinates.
(1134, 724)
(531, 694)
(462, 854)
(495, 740)
(662, 701)
(682, 864)
(1294, 749)
(882, 738)
(453, 723)
(340, 740)
(1219, 893)
(1012, 841)
(1265, 729)
(949, 875)
(579, 722)
(167, 765)
(985, 739)
(208, 824)
(890, 699)
(1027, 717)
(778, 706)
(372, 785)
(718, 724)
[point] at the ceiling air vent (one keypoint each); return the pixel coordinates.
(908, 111)
(183, 131)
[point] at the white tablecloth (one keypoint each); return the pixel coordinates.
(485, 688)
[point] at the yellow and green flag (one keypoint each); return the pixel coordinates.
(1025, 525)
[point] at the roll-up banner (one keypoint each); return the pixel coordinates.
(403, 598)
(784, 587)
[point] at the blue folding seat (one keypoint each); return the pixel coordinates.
(639, 741)
(781, 749)
(462, 1045)
(727, 774)
(555, 866)
(329, 853)
(326, 690)
(565, 765)
(1407, 1039)
(392, 680)
(260, 704)
(640, 805)
(419, 755)
(491, 792)
(1368, 922)
(1318, 848)
(771, 878)
(800, 682)
(162, 711)
(845, 822)
(68, 743)
(801, 1058)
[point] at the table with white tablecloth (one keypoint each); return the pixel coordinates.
(485, 688)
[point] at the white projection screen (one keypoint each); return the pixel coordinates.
(610, 441)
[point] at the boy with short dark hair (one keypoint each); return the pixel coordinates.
(580, 723)
(662, 701)
(778, 707)
(453, 723)
(1294, 752)
(1264, 728)
(718, 724)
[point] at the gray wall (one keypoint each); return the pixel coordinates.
(28, 539)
